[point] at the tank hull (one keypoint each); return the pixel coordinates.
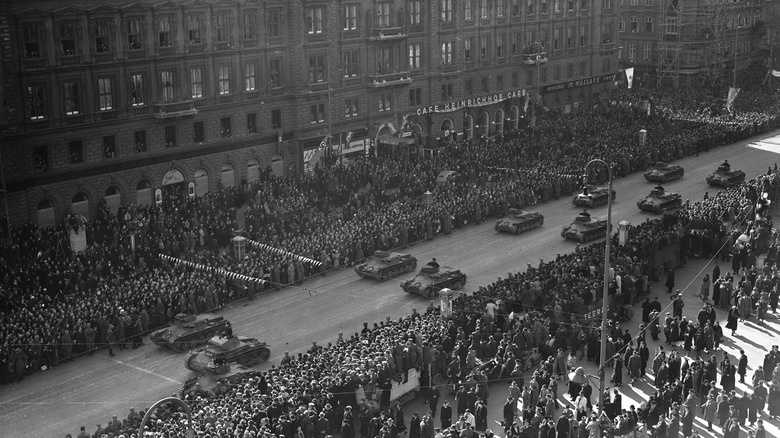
(597, 198)
(519, 223)
(190, 331)
(429, 284)
(660, 205)
(663, 174)
(726, 179)
(585, 232)
(388, 266)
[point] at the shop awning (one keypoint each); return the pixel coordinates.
(392, 140)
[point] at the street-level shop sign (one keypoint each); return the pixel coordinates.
(580, 83)
(447, 107)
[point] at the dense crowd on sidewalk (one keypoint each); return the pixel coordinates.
(62, 304)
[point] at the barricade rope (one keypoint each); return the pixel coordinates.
(201, 267)
(278, 251)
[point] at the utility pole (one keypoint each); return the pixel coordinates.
(736, 34)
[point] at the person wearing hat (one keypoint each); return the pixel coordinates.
(445, 415)
(110, 339)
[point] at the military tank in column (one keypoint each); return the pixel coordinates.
(725, 177)
(664, 172)
(519, 221)
(585, 228)
(384, 265)
(660, 201)
(188, 332)
(431, 279)
(592, 196)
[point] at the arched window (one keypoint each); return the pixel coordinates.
(447, 129)
(484, 124)
(499, 122)
(113, 198)
(80, 205)
(468, 130)
(201, 182)
(228, 176)
(46, 213)
(277, 165)
(252, 171)
(514, 117)
(143, 192)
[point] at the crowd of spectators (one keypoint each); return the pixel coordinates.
(62, 304)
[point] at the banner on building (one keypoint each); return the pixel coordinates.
(731, 98)
(630, 76)
(776, 73)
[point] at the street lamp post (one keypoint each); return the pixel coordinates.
(736, 34)
(604, 319)
(5, 200)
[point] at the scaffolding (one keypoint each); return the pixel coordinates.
(691, 41)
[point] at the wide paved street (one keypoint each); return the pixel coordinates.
(89, 390)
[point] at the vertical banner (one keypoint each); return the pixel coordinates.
(630, 76)
(733, 92)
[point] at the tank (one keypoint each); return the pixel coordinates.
(188, 332)
(659, 201)
(725, 177)
(664, 172)
(585, 228)
(519, 221)
(383, 265)
(222, 352)
(592, 196)
(429, 281)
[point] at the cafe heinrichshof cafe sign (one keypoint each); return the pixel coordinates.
(455, 105)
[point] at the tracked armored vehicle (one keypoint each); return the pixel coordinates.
(518, 221)
(383, 265)
(725, 177)
(430, 280)
(664, 172)
(659, 201)
(592, 196)
(190, 331)
(585, 229)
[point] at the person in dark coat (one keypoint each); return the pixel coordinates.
(414, 426)
(509, 413)
(742, 367)
(733, 320)
(445, 415)
(669, 281)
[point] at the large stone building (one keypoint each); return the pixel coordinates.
(123, 100)
(691, 42)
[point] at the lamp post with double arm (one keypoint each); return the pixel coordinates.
(604, 299)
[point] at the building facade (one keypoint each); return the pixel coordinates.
(133, 102)
(691, 42)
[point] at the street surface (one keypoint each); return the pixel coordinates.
(90, 390)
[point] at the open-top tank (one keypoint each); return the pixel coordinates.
(585, 228)
(383, 265)
(592, 196)
(725, 177)
(430, 280)
(190, 331)
(664, 172)
(519, 221)
(659, 201)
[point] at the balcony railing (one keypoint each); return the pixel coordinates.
(77, 119)
(387, 33)
(69, 59)
(252, 94)
(390, 79)
(166, 51)
(136, 53)
(33, 64)
(174, 109)
(533, 58)
(38, 124)
(223, 45)
(248, 43)
(607, 46)
(195, 48)
(139, 110)
(226, 98)
(104, 57)
(275, 40)
(108, 115)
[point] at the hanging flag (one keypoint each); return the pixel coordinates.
(630, 76)
(776, 73)
(731, 98)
